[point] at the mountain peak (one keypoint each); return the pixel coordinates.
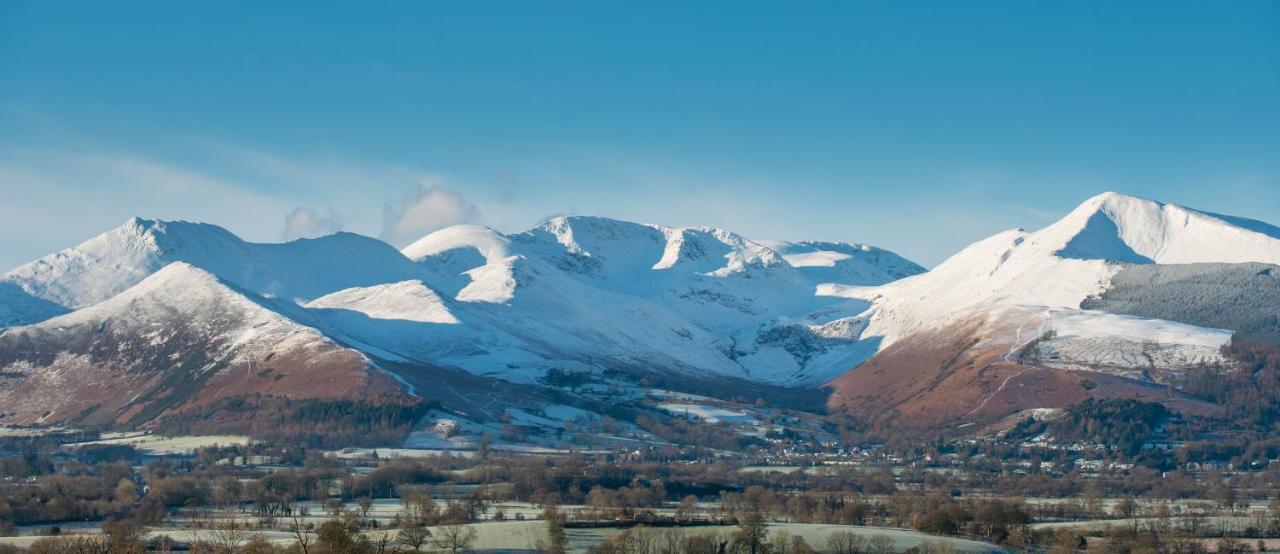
(184, 274)
(138, 224)
(176, 284)
(107, 264)
(1122, 228)
(1113, 197)
(491, 244)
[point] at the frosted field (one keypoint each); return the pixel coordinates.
(1132, 357)
(1224, 523)
(709, 414)
(158, 445)
(395, 453)
(1078, 324)
(30, 431)
(525, 535)
(810, 470)
(1085, 339)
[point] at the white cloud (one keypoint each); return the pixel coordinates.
(305, 222)
(425, 208)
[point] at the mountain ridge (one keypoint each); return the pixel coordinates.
(695, 307)
(179, 339)
(995, 299)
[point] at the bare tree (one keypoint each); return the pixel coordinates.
(257, 544)
(845, 542)
(384, 545)
(453, 538)
(301, 535)
(556, 541)
(1232, 545)
(220, 535)
(752, 535)
(880, 544)
(414, 535)
(333, 506)
(687, 507)
(418, 508)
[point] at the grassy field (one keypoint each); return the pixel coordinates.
(516, 536)
(524, 535)
(157, 445)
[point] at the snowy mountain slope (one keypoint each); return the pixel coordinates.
(584, 293)
(849, 264)
(165, 316)
(469, 262)
(17, 307)
(1134, 347)
(1114, 227)
(997, 297)
(179, 339)
(521, 315)
(404, 301)
(118, 259)
(1062, 264)
(601, 293)
(712, 268)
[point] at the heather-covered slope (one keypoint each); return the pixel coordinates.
(175, 342)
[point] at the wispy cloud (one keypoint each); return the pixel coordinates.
(308, 222)
(425, 208)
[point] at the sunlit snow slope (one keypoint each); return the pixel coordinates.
(972, 338)
(574, 293)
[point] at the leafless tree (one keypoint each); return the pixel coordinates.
(414, 535)
(301, 535)
(454, 538)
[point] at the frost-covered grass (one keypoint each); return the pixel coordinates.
(6, 431)
(1085, 323)
(159, 445)
(526, 534)
(709, 414)
(395, 453)
(1087, 339)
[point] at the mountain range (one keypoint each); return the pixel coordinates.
(160, 323)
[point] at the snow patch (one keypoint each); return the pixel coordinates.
(406, 300)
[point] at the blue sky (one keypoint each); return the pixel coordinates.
(919, 127)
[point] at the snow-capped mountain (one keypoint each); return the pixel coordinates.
(177, 340)
(1062, 264)
(118, 259)
(980, 309)
(17, 307)
(596, 293)
(161, 318)
(131, 310)
(851, 264)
